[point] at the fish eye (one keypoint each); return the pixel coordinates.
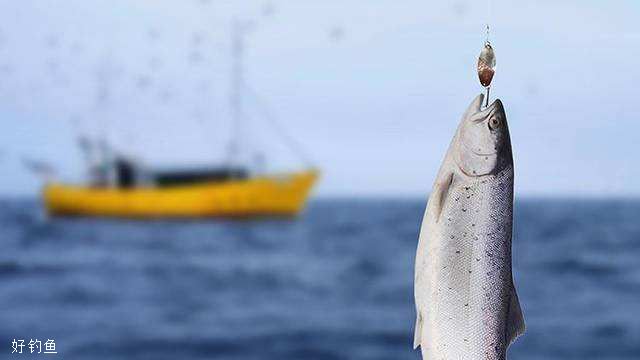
(494, 123)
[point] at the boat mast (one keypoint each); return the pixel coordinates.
(101, 172)
(238, 143)
(237, 83)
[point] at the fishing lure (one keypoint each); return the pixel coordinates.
(486, 67)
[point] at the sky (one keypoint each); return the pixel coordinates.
(373, 89)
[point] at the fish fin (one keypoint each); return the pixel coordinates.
(417, 335)
(442, 192)
(515, 320)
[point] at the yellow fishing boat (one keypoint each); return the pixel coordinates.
(282, 195)
(118, 185)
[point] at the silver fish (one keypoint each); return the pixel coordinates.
(466, 302)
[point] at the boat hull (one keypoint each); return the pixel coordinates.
(282, 195)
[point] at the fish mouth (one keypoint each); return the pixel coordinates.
(483, 154)
(495, 107)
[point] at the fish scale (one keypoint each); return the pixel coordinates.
(465, 298)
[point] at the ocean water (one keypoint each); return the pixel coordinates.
(334, 284)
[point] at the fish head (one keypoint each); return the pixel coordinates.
(483, 144)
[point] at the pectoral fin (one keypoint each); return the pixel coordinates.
(417, 335)
(441, 194)
(515, 320)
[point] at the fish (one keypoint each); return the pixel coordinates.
(466, 302)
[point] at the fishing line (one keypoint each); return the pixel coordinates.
(487, 42)
(487, 59)
(488, 19)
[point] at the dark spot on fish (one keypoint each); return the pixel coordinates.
(473, 224)
(457, 251)
(464, 210)
(467, 304)
(474, 171)
(465, 340)
(486, 158)
(469, 271)
(452, 236)
(477, 259)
